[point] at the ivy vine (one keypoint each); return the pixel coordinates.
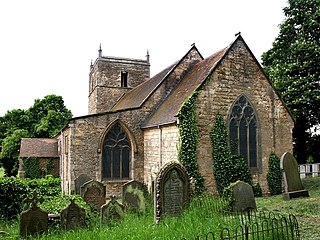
(188, 133)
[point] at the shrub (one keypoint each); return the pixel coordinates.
(274, 175)
(13, 191)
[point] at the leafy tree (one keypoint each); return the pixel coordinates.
(293, 65)
(10, 151)
(43, 120)
(274, 175)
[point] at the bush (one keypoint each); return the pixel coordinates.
(274, 175)
(13, 192)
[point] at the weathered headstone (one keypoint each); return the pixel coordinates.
(82, 179)
(242, 197)
(94, 193)
(292, 182)
(33, 221)
(172, 190)
(73, 217)
(134, 195)
(111, 211)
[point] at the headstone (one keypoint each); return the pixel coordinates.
(302, 170)
(73, 217)
(292, 182)
(172, 190)
(243, 197)
(134, 195)
(34, 221)
(111, 211)
(94, 193)
(82, 179)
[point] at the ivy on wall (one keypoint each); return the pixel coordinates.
(31, 167)
(274, 176)
(188, 134)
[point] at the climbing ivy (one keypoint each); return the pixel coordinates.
(227, 167)
(274, 175)
(188, 134)
(31, 167)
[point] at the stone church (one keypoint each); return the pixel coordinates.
(132, 126)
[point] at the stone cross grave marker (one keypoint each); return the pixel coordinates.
(73, 217)
(33, 221)
(82, 179)
(134, 195)
(292, 182)
(243, 197)
(111, 211)
(172, 190)
(94, 193)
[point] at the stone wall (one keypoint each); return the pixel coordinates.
(239, 73)
(160, 147)
(105, 80)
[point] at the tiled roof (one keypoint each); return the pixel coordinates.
(39, 147)
(168, 110)
(136, 97)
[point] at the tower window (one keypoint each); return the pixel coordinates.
(243, 131)
(124, 79)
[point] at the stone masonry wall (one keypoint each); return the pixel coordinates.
(239, 74)
(160, 147)
(105, 80)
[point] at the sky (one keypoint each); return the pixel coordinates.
(46, 46)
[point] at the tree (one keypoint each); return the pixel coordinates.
(43, 120)
(293, 65)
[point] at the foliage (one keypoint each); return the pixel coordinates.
(188, 133)
(43, 120)
(13, 191)
(274, 175)
(32, 168)
(9, 154)
(293, 65)
(227, 167)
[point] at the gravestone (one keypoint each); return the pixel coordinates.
(243, 197)
(134, 195)
(111, 211)
(73, 217)
(94, 193)
(34, 221)
(172, 190)
(292, 183)
(82, 179)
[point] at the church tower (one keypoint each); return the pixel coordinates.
(111, 77)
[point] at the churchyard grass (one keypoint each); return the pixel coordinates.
(198, 220)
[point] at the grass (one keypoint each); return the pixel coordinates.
(198, 220)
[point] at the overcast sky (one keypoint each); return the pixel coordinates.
(46, 46)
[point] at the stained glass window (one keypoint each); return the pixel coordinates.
(116, 154)
(243, 131)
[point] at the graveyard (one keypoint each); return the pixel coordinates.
(137, 216)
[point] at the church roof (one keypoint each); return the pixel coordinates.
(39, 147)
(136, 96)
(168, 110)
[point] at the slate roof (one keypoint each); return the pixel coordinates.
(136, 96)
(168, 110)
(39, 147)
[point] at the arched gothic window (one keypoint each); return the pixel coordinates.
(243, 131)
(116, 154)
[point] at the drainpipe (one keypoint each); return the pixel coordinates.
(160, 145)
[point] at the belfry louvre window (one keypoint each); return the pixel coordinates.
(124, 79)
(116, 154)
(243, 131)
